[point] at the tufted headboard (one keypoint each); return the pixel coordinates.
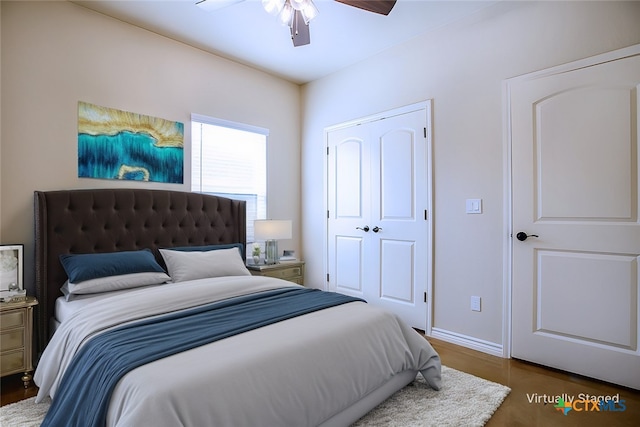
(110, 220)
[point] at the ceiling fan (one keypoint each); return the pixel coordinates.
(298, 13)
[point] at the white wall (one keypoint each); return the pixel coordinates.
(462, 68)
(55, 54)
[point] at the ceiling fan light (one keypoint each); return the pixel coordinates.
(286, 14)
(309, 11)
(298, 4)
(274, 7)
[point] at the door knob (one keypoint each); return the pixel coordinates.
(376, 229)
(522, 236)
(365, 228)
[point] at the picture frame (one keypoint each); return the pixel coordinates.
(11, 267)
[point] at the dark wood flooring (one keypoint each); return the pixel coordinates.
(523, 378)
(526, 379)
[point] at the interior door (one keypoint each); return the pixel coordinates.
(576, 233)
(378, 227)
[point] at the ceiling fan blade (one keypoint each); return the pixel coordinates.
(299, 30)
(382, 7)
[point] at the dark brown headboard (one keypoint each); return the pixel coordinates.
(111, 220)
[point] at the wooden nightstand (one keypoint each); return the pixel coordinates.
(293, 271)
(16, 338)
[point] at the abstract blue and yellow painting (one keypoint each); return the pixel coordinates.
(116, 144)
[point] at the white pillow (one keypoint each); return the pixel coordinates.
(191, 265)
(114, 283)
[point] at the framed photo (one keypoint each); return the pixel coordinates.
(11, 257)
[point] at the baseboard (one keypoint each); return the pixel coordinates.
(488, 347)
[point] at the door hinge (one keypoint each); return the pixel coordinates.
(327, 277)
(425, 132)
(327, 150)
(425, 297)
(426, 215)
(327, 213)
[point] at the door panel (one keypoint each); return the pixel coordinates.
(349, 258)
(396, 271)
(398, 158)
(574, 140)
(397, 175)
(348, 193)
(568, 125)
(567, 283)
(349, 181)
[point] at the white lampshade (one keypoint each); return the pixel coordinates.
(272, 229)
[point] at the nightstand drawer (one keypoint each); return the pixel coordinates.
(13, 339)
(12, 319)
(297, 280)
(285, 273)
(12, 362)
(292, 271)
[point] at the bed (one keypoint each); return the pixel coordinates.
(322, 359)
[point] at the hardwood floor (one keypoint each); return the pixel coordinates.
(524, 379)
(12, 389)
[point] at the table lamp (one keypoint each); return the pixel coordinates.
(270, 230)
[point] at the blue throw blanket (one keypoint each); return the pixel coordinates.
(85, 390)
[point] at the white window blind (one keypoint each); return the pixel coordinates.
(229, 159)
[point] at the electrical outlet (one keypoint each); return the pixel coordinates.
(475, 304)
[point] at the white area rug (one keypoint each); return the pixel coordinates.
(465, 400)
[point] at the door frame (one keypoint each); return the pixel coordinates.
(508, 171)
(427, 107)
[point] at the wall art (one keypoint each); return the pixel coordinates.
(116, 144)
(11, 267)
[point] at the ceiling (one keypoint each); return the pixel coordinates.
(340, 35)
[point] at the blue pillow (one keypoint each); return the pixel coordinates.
(240, 247)
(80, 267)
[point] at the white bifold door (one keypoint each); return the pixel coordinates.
(576, 231)
(378, 224)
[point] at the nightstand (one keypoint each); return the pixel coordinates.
(293, 271)
(16, 338)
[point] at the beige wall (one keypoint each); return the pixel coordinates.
(55, 54)
(461, 67)
(0, 125)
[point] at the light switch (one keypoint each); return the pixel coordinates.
(474, 206)
(475, 303)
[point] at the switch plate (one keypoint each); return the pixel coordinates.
(474, 206)
(475, 303)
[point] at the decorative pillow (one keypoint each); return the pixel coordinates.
(81, 267)
(113, 283)
(191, 265)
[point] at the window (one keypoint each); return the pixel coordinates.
(230, 160)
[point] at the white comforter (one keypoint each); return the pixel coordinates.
(297, 372)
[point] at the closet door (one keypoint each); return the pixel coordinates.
(378, 224)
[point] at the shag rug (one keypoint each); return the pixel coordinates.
(464, 400)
